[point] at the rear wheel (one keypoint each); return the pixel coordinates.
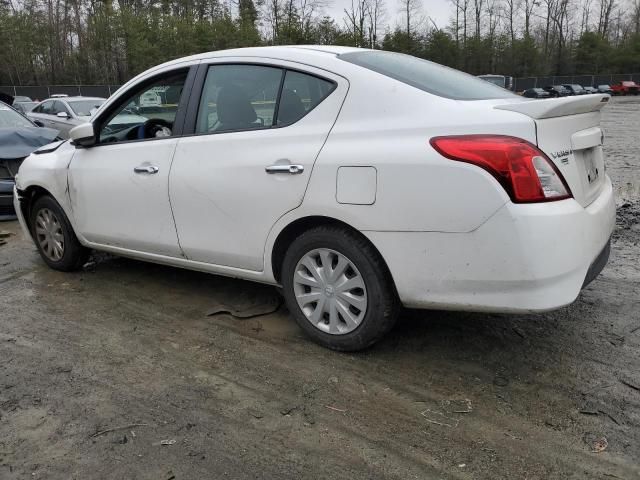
(338, 288)
(57, 243)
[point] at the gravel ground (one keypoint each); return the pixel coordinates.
(126, 346)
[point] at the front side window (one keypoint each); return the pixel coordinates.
(147, 112)
(58, 107)
(238, 97)
(45, 107)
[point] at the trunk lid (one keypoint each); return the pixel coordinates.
(568, 132)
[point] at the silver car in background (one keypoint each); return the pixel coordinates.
(65, 113)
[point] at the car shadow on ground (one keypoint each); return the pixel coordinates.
(450, 336)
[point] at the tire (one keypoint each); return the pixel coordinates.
(326, 320)
(49, 223)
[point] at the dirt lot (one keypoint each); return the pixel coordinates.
(446, 395)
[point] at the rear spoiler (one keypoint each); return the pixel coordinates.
(558, 107)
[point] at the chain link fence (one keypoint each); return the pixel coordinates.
(41, 92)
(45, 91)
(584, 80)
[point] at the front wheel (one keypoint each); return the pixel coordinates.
(338, 288)
(57, 243)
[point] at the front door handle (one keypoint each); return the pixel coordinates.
(291, 169)
(149, 169)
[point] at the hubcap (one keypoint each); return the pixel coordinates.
(49, 234)
(330, 291)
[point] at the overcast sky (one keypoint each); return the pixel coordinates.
(439, 10)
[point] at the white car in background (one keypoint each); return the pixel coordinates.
(358, 180)
(64, 113)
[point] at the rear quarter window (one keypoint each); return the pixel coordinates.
(427, 76)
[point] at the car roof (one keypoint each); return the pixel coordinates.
(295, 53)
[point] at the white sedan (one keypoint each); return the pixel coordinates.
(357, 180)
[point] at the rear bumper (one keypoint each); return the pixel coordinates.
(525, 258)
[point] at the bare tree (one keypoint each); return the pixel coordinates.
(478, 6)
(460, 22)
(376, 12)
(511, 8)
(411, 11)
(529, 10)
(636, 16)
(355, 19)
(586, 13)
(606, 8)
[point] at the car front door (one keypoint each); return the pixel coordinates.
(118, 188)
(257, 130)
(61, 123)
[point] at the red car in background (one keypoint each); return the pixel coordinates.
(625, 88)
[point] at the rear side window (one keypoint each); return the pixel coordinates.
(427, 76)
(238, 97)
(300, 94)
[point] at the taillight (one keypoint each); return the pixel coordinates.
(521, 168)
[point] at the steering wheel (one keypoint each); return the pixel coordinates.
(155, 128)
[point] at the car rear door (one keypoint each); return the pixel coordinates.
(258, 127)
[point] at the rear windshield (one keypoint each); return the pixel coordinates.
(427, 76)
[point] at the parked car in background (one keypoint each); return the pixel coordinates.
(604, 88)
(64, 113)
(503, 81)
(625, 88)
(590, 90)
(59, 95)
(24, 107)
(575, 89)
(281, 165)
(557, 91)
(18, 138)
(535, 93)
(21, 98)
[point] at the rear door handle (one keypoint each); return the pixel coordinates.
(291, 169)
(149, 169)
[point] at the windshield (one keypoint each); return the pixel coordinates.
(427, 76)
(11, 119)
(85, 108)
(577, 87)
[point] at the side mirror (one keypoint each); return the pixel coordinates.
(83, 135)
(62, 115)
